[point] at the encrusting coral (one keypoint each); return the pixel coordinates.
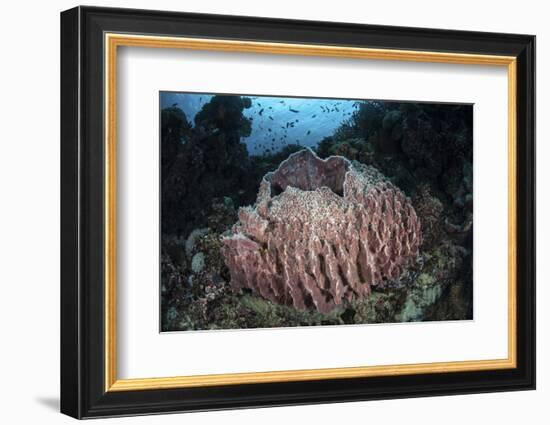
(321, 232)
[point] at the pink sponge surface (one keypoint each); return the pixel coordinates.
(322, 232)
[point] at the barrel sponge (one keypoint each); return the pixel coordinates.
(321, 232)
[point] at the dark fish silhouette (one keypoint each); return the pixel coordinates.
(313, 116)
(293, 110)
(261, 111)
(271, 118)
(308, 132)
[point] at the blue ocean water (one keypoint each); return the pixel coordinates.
(277, 121)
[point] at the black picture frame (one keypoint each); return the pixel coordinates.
(83, 392)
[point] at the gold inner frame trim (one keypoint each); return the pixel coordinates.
(113, 41)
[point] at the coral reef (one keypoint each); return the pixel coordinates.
(322, 232)
(424, 150)
(430, 211)
(207, 159)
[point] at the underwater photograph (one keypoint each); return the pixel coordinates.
(293, 211)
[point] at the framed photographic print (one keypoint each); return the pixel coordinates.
(261, 212)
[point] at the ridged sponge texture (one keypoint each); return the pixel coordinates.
(322, 232)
